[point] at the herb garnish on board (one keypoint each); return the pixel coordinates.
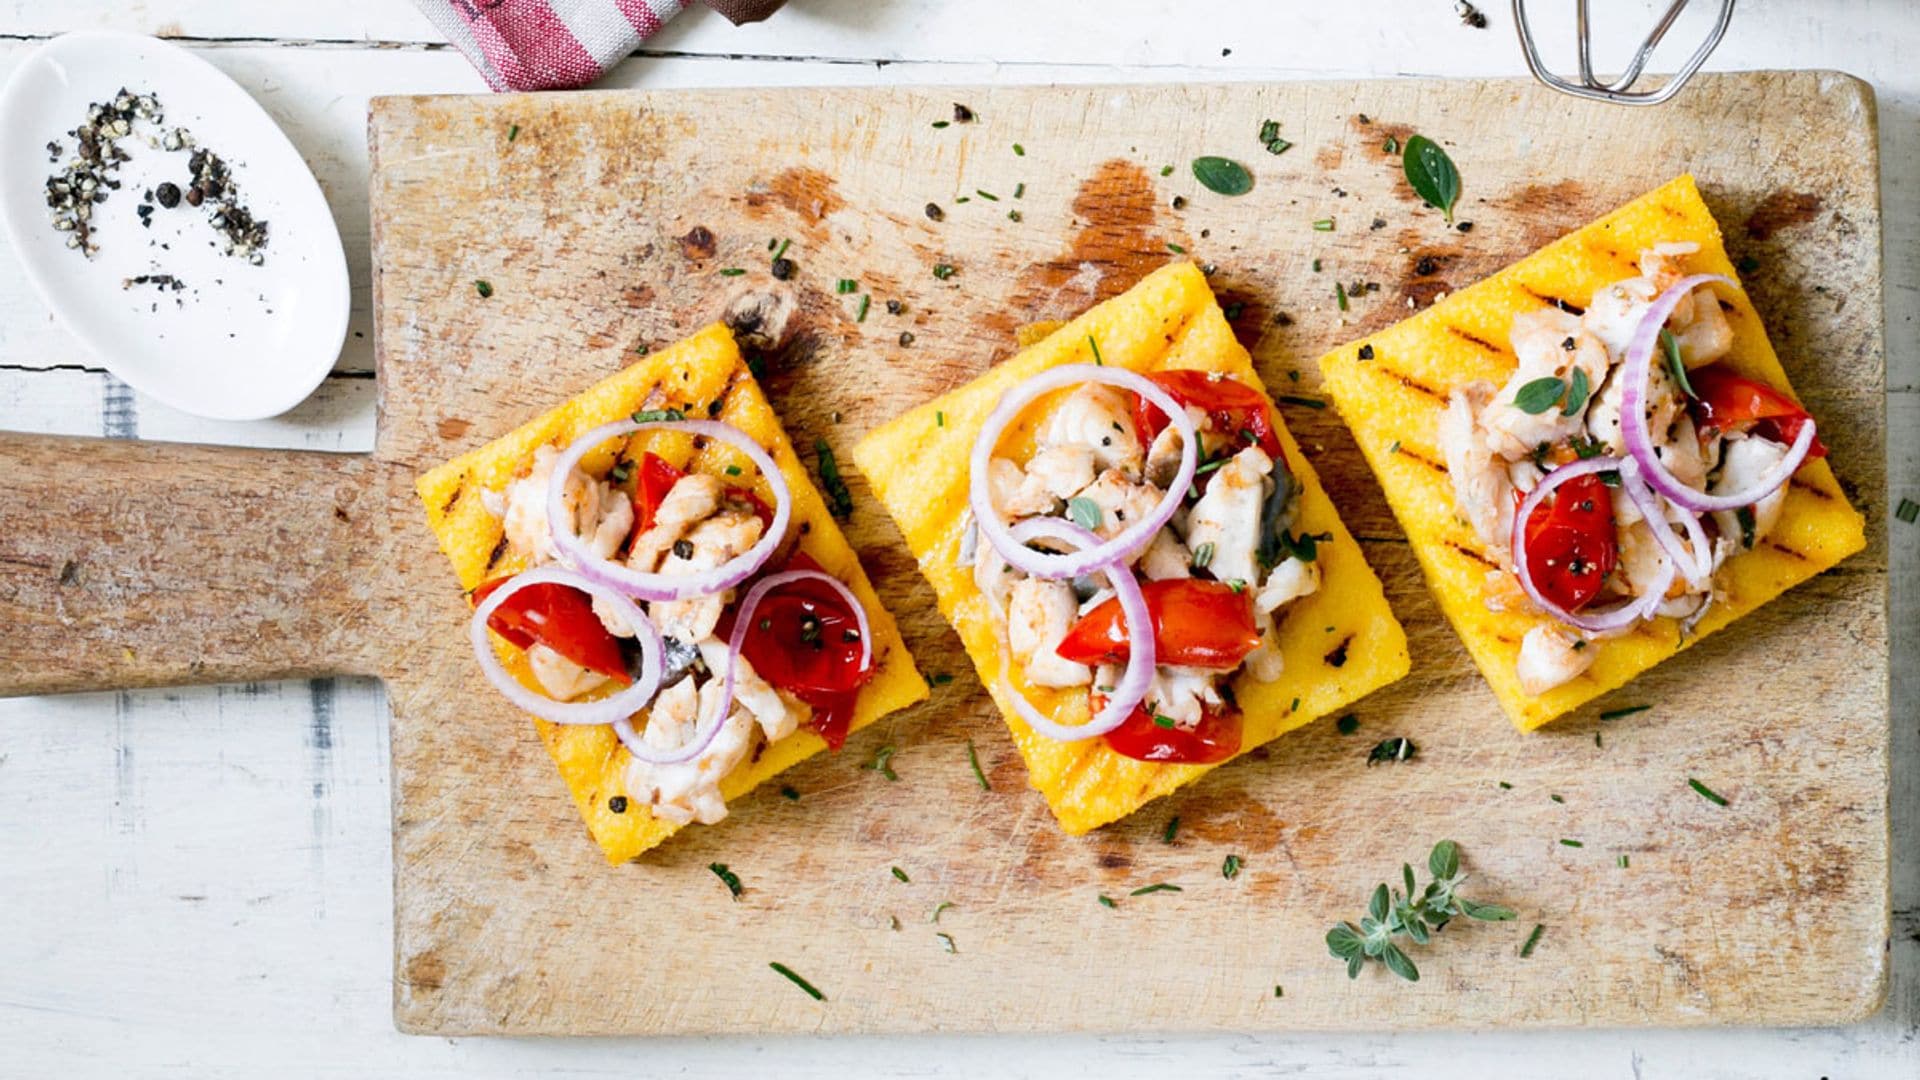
(1431, 174)
(1392, 913)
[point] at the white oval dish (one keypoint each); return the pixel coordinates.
(239, 342)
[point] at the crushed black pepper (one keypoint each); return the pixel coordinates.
(783, 269)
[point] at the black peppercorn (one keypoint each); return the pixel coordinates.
(167, 194)
(617, 804)
(783, 269)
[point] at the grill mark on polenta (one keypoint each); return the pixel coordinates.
(1337, 656)
(1408, 381)
(454, 498)
(1785, 550)
(499, 549)
(1474, 554)
(1552, 301)
(1423, 459)
(1801, 485)
(1476, 340)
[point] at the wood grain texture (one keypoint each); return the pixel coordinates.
(501, 907)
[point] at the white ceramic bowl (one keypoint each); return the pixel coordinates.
(239, 342)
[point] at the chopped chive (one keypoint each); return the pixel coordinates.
(732, 271)
(839, 499)
(733, 470)
(1176, 248)
(1316, 266)
(939, 418)
(866, 301)
(732, 879)
(1020, 190)
(1095, 346)
(1706, 792)
(789, 792)
(1571, 843)
(942, 271)
(1504, 786)
(794, 977)
(1019, 151)
(1164, 722)
(1391, 146)
(1908, 511)
(1347, 724)
(1230, 867)
(940, 123)
(845, 286)
(1597, 743)
(937, 909)
(483, 287)
(513, 132)
(963, 199)
(1393, 447)
(1154, 888)
(1303, 402)
(1172, 829)
(882, 763)
(902, 875)
(1277, 991)
(1533, 939)
(1323, 225)
(1106, 901)
(1014, 215)
(973, 759)
(1615, 714)
(946, 942)
(781, 252)
(987, 195)
(1556, 798)
(656, 416)
(1340, 295)
(1166, 170)
(1623, 862)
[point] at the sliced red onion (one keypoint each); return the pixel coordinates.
(649, 586)
(1696, 565)
(1624, 614)
(1051, 565)
(1633, 415)
(1132, 689)
(603, 711)
(742, 619)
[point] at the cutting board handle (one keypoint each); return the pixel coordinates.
(127, 564)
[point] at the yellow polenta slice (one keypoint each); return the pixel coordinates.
(1393, 400)
(1340, 643)
(701, 376)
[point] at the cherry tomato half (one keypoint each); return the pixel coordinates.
(1571, 546)
(657, 477)
(805, 640)
(562, 619)
(1725, 401)
(1196, 623)
(1239, 412)
(1215, 738)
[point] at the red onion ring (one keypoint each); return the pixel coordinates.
(648, 586)
(743, 619)
(603, 711)
(1695, 565)
(1624, 614)
(1132, 689)
(1633, 417)
(1049, 565)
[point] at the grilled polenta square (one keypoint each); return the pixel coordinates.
(1393, 388)
(1339, 643)
(703, 376)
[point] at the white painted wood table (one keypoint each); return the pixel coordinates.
(196, 882)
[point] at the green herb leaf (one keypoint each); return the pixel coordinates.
(942, 271)
(1706, 792)
(483, 287)
(794, 977)
(658, 416)
(1347, 724)
(1577, 390)
(732, 879)
(1165, 722)
(1484, 912)
(1222, 176)
(1908, 511)
(1323, 225)
(1339, 294)
(1744, 517)
(1391, 146)
(1670, 347)
(1623, 862)
(1443, 861)
(1303, 402)
(1230, 867)
(1154, 888)
(845, 286)
(902, 875)
(946, 942)
(839, 499)
(937, 909)
(1398, 963)
(1539, 395)
(1172, 829)
(1431, 174)
(1019, 151)
(1106, 901)
(513, 132)
(1533, 939)
(882, 762)
(973, 759)
(1084, 512)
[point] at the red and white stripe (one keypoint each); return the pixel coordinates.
(547, 44)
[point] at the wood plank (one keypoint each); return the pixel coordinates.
(581, 243)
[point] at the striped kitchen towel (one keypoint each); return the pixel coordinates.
(560, 44)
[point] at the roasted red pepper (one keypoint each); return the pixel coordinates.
(1215, 738)
(1726, 401)
(1204, 624)
(805, 640)
(561, 618)
(1239, 412)
(1570, 542)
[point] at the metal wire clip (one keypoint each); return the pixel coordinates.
(1618, 91)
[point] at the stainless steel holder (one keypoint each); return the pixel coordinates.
(1620, 90)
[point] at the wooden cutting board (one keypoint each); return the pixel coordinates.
(603, 221)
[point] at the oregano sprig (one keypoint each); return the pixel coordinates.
(1392, 913)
